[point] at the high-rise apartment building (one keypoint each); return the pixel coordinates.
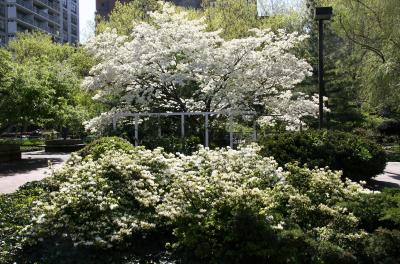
(3, 21)
(60, 18)
(104, 7)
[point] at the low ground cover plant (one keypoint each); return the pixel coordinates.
(358, 157)
(132, 205)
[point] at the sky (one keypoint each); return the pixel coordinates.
(87, 8)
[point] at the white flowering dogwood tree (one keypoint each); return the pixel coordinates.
(174, 64)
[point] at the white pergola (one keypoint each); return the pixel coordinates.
(206, 115)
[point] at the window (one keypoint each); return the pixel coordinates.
(2, 40)
(2, 25)
(74, 20)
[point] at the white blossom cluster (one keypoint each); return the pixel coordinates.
(105, 201)
(173, 64)
(291, 109)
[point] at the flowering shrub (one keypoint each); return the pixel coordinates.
(101, 202)
(299, 219)
(214, 206)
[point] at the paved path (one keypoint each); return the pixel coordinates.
(391, 177)
(32, 167)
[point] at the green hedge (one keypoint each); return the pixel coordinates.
(357, 157)
(102, 145)
(170, 144)
(15, 213)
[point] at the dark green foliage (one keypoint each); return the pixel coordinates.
(390, 127)
(230, 235)
(102, 145)
(383, 246)
(377, 210)
(379, 215)
(15, 213)
(358, 158)
(173, 144)
(146, 249)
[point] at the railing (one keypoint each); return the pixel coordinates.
(27, 5)
(26, 19)
(53, 5)
(54, 19)
(41, 26)
(41, 12)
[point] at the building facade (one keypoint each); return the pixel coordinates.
(104, 7)
(3, 22)
(60, 18)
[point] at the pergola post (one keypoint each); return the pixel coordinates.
(230, 130)
(183, 126)
(114, 123)
(136, 130)
(255, 130)
(206, 132)
(159, 126)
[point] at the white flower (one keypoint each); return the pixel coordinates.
(161, 58)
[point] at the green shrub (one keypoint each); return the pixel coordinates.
(376, 210)
(358, 158)
(102, 145)
(187, 145)
(382, 246)
(15, 214)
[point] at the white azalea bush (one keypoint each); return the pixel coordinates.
(101, 202)
(216, 205)
(173, 64)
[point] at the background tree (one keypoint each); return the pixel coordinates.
(6, 75)
(370, 27)
(236, 17)
(340, 63)
(124, 14)
(44, 83)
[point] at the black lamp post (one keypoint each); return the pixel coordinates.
(321, 14)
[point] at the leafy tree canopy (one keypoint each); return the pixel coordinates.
(43, 86)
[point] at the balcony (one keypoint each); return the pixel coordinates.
(41, 14)
(26, 5)
(53, 5)
(26, 19)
